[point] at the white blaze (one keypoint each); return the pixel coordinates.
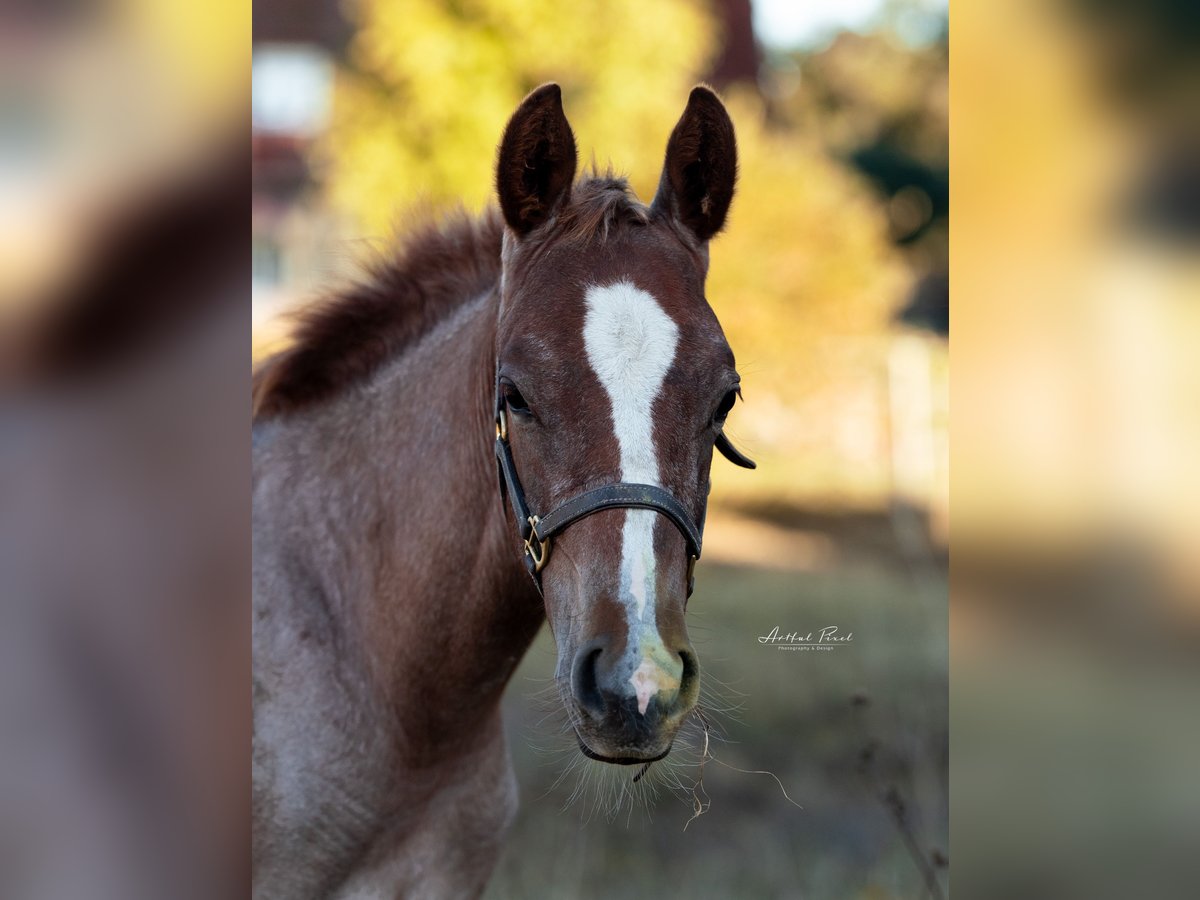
(631, 345)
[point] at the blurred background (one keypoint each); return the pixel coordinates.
(831, 284)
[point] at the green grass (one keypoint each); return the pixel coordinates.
(796, 719)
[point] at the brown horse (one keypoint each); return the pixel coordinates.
(569, 339)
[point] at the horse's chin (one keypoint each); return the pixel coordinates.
(626, 756)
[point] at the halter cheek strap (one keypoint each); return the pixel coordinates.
(536, 532)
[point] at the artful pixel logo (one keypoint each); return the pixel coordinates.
(826, 638)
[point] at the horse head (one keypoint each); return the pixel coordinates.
(613, 381)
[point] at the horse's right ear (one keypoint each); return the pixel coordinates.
(536, 163)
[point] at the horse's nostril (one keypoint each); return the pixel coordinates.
(584, 682)
(689, 680)
(691, 668)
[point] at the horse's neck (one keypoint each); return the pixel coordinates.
(436, 597)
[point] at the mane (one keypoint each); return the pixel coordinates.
(344, 339)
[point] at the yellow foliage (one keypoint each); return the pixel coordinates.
(805, 282)
(418, 114)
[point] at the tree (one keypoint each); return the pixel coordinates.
(429, 85)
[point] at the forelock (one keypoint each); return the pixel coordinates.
(600, 205)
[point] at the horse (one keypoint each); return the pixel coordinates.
(511, 421)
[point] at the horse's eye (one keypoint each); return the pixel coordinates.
(725, 406)
(513, 397)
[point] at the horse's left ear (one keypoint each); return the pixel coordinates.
(536, 162)
(701, 166)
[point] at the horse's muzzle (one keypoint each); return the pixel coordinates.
(629, 714)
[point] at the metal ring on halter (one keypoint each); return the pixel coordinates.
(542, 554)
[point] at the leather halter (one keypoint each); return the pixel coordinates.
(537, 531)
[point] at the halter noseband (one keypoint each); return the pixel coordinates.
(537, 531)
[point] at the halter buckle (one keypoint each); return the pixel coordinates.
(501, 425)
(541, 554)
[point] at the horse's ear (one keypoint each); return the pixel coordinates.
(701, 166)
(536, 163)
